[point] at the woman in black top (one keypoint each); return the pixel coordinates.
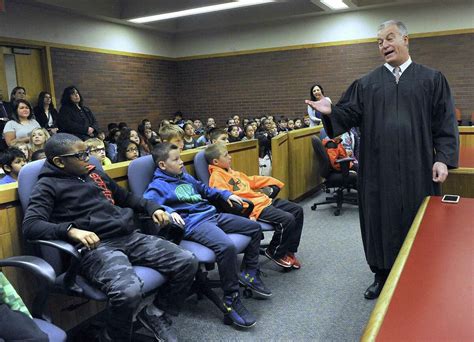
(74, 117)
(45, 113)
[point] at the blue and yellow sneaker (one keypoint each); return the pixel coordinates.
(237, 313)
(252, 280)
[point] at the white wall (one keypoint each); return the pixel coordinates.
(34, 23)
(329, 28)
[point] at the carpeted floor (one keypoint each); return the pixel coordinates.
(323, 301)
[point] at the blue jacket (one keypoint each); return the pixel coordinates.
(186, 196)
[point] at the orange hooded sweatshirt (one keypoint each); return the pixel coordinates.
(243, 186)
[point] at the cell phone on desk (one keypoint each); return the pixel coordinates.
(450, 199)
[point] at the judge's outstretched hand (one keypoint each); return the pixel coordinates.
(323, 106)
(440, 172)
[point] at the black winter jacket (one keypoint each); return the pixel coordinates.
(76, 121)
(93, 202)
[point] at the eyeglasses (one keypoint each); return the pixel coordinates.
(83, 155)
(98, 149)
(133, 149)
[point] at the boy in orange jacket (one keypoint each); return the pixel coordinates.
(335, 151)
(288, 215)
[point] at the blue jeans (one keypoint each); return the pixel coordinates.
(213, 234)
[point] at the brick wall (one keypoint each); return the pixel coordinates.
(278, 82)
(117, 88)
(120, 88)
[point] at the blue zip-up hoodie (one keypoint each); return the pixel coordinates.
(186, 196)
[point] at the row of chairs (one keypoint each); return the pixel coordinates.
(62, 273)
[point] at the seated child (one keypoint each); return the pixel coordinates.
(172, 134)
(23, 147)
(38, 138)
(335, 151)
(186, 200)
(288, 215)
(16, 322)
(75, 202)
(97, 150)
(127, 150)
(218, 135)
(11, 160)
(37, 155)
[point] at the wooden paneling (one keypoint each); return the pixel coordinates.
(302, 165)
(459, 182)
(244, 157)
(30, 74)
(4, 95)
(280, 162)
(466, 136)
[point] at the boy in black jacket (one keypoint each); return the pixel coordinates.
(73, 201)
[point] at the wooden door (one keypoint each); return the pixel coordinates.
(30, 74)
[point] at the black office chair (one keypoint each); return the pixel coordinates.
(65, 258)
(340, 180)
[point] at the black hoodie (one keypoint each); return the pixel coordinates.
(93, 202)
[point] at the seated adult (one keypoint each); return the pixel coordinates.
(73, 201)
(74, 117)
(18, 93)
(21, 125)
(45, 113)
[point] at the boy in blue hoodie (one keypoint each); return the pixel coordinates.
(186, 200)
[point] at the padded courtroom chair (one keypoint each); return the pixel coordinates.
(46, 277)
(340, 180)
(140, 174)
(67, 280)
(201, 167)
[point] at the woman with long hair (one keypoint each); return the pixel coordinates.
(45, 113)
(74, 117)
(19, 128)
(316, 93)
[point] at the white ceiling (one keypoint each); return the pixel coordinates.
(120, 10)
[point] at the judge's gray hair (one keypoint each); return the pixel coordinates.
(401, 26)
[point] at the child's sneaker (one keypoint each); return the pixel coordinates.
(295, 263)
(284, 261)
(237, 313)
(159, 326)
(251, 279)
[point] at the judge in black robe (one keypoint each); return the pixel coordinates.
(406, 128)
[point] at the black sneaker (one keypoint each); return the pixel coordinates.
(237, 313)
(252, 280)
(159, 326)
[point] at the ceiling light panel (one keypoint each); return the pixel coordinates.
(200, 10)
(334, 4)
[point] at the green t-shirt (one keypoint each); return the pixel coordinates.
(9, 296)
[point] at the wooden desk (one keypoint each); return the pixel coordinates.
(429, 295)
(461, 180)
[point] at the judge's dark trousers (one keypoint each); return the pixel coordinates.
(288, 218)
(213, 234)
(109, 267)
(16, 326)
(380, 273)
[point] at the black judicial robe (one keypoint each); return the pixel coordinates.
(405, 128)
